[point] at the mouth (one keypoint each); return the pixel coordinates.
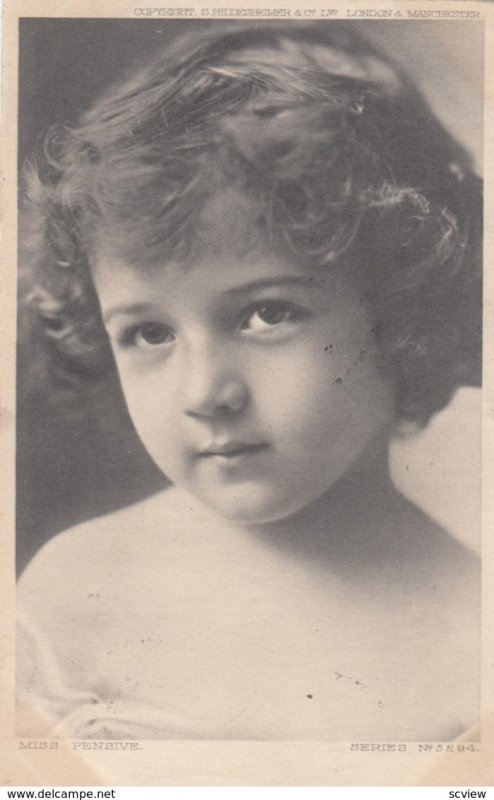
(232, 452)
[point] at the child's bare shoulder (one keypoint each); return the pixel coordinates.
(444, 559)
(428, 560)
(440, 578)
(104, 551)
(95, 580)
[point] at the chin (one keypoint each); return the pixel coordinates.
(251, 508)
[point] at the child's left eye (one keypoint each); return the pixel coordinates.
(269, 315)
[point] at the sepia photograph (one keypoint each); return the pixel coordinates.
(249, 360)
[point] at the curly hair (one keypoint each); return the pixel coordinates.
(340, 164)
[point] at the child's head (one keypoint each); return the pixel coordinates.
(291, 147)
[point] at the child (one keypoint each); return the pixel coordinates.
(280, 245)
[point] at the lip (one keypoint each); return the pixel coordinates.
(232, 451)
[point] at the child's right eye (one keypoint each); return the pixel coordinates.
(148, 335)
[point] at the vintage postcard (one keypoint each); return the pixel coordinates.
(246, 393)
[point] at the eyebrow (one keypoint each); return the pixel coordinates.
(244, 289)
(126, 309)
(267, 283)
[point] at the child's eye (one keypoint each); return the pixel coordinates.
(270, 315)
(148, 335)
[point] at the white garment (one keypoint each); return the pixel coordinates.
(71, 714)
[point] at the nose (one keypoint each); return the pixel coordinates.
(213, 388)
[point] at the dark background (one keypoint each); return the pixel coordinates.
(75, 461)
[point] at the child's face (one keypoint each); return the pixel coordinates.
(251, 381)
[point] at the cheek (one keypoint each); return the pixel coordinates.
(149, 400)
(324, 394)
